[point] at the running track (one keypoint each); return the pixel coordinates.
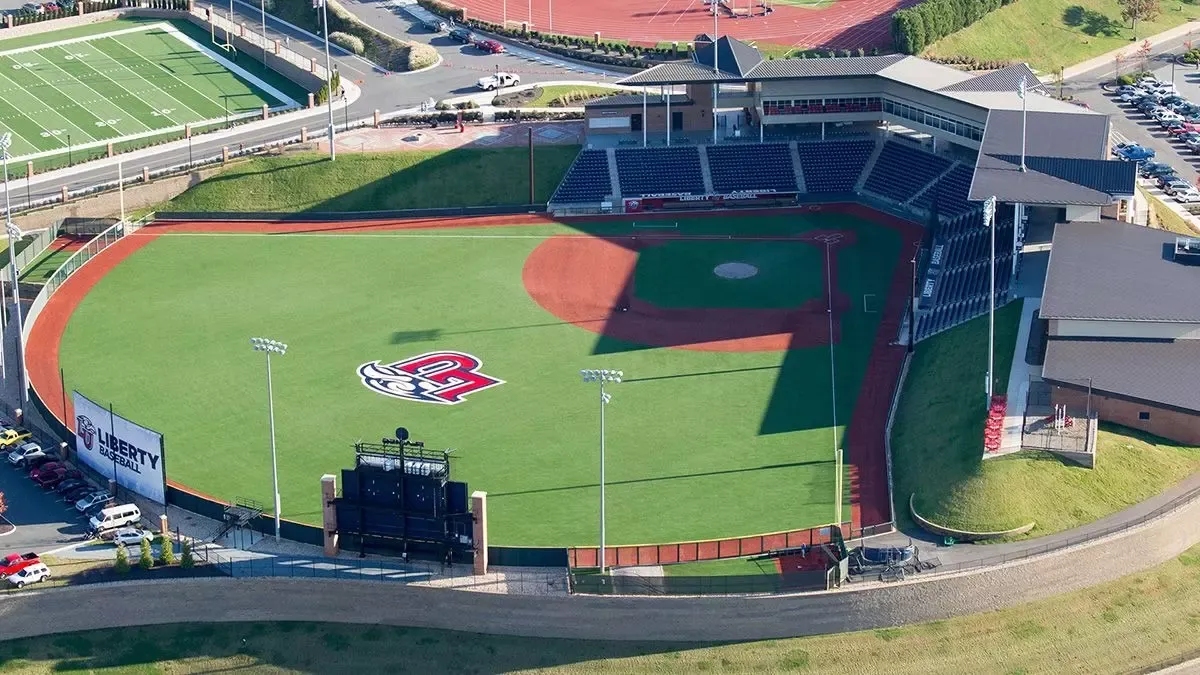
(847, 24)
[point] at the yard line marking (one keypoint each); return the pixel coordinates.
(36, 124)
(173, 75)
(48, 106)
(103, 98)
(232, 67)
(85, 38)
(138, 77)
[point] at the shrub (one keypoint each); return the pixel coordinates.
(186, 560)
(122, 563)
(1192, 56)
(146, 560)
(166, 553)
(351, 43)
(915, 28)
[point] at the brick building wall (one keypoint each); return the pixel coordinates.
(1175, 425)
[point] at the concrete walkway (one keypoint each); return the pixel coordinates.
(1108, 60)
(1018, 383)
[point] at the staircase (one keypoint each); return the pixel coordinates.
(862, 178)
(239, 514)
(931, 184)
(613, 177)
(704, 170)
(797, 168)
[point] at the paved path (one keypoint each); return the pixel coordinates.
(37, 612)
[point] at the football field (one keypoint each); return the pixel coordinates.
(122, 84)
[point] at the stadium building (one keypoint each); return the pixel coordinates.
(900, 134)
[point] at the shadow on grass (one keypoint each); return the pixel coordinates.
(1091, 22)
(311, 647)
(657, 479)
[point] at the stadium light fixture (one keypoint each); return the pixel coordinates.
(279, 348)
(602, 376)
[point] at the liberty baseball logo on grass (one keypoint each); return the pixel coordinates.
(445, 378)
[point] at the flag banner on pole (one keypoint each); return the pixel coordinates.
(317, 4)
(1021, 87)
(989, 211)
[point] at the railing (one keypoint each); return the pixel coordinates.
(40, 242)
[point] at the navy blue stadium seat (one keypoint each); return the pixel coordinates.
(586, 181)
(902, 170)
(949, 193)
(751, 166)
(648, 171)
(834, 166)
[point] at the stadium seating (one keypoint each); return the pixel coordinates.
(586, 181)
(763, 167)
(834, 166)
(961, 292)
(647, 171)
(903, 170)
(950, 193)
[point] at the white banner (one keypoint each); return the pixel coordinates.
(112, 444)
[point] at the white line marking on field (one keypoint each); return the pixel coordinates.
(85, 38)
(140, 78)
(229, 65)
(56, 112)
(105, 99)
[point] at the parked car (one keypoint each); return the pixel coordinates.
(49, 479)
(78, 492)
(15, 562)
(1193, 143)
(22, 455)
(69, 484)
(1135, 153)
(1174, 127)
(1189, 196)
(30, 575)
(129, 536)
(435, 24)
(1154, 169)
(490, 46)
(114, 517)
(11, 438)
(46, 458)
(1128, 89)
(1161, 181)
(87, 502)
(463, 35)
(1176, 185)
(33, 8)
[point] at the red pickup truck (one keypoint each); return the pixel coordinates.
(16, 562)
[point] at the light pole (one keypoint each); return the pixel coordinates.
(271, 347)
(328, 78)
(602, 376)
(14, 233)
(837, 450)
(5, 144)
(989, 221)
(263, 6)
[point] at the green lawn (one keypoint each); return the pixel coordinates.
(678, 274)
(45, 265)
(131, 82)
(1119, 627)
(937, 446)
(380, 181)
(739, 437)
(1049, 34)
(575, 95)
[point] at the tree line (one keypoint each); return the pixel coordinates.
(919, 26)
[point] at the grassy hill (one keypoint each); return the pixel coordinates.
(937, 446)
(1049, 34)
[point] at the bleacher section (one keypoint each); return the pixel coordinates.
(960, 289)
(738, 167)
(586, 181)
(647, 171)
(904, 169)
(834, 166)
(950, 193)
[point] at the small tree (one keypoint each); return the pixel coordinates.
(146, 561)
(1134, 11)
(166, 553)
(122, 563)
(186, 560)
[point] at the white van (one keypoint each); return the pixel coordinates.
(114, 517)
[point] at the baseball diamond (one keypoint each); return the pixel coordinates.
(722, 427)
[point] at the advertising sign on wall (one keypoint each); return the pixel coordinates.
(113, 446)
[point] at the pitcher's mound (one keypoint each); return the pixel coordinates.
(735, 270)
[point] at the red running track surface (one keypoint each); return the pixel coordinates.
(846, 24)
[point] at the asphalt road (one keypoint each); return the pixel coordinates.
(461, 67)
(43, 521)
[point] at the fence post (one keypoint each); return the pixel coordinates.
(145, 174)
(65, 196)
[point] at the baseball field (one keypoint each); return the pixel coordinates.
(472, 334)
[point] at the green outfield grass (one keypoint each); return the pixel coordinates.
(937, 449)
(1145, 621)
(731, 567)
(123, 81)
(699, 444)
(381, 181)
(1051, 34)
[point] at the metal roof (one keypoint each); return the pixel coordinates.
(733, 56)
(1161, 372)
(787, 69)
(1061, 133)
(1005, 181)
(1112, 177)
(1114, 271)
(678, 72)
(1005, 79)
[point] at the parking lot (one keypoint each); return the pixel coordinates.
(42, 520)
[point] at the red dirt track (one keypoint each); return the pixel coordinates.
(865, 438)
(847, 24)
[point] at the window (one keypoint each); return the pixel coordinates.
(635, 122)
(1144, 416)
